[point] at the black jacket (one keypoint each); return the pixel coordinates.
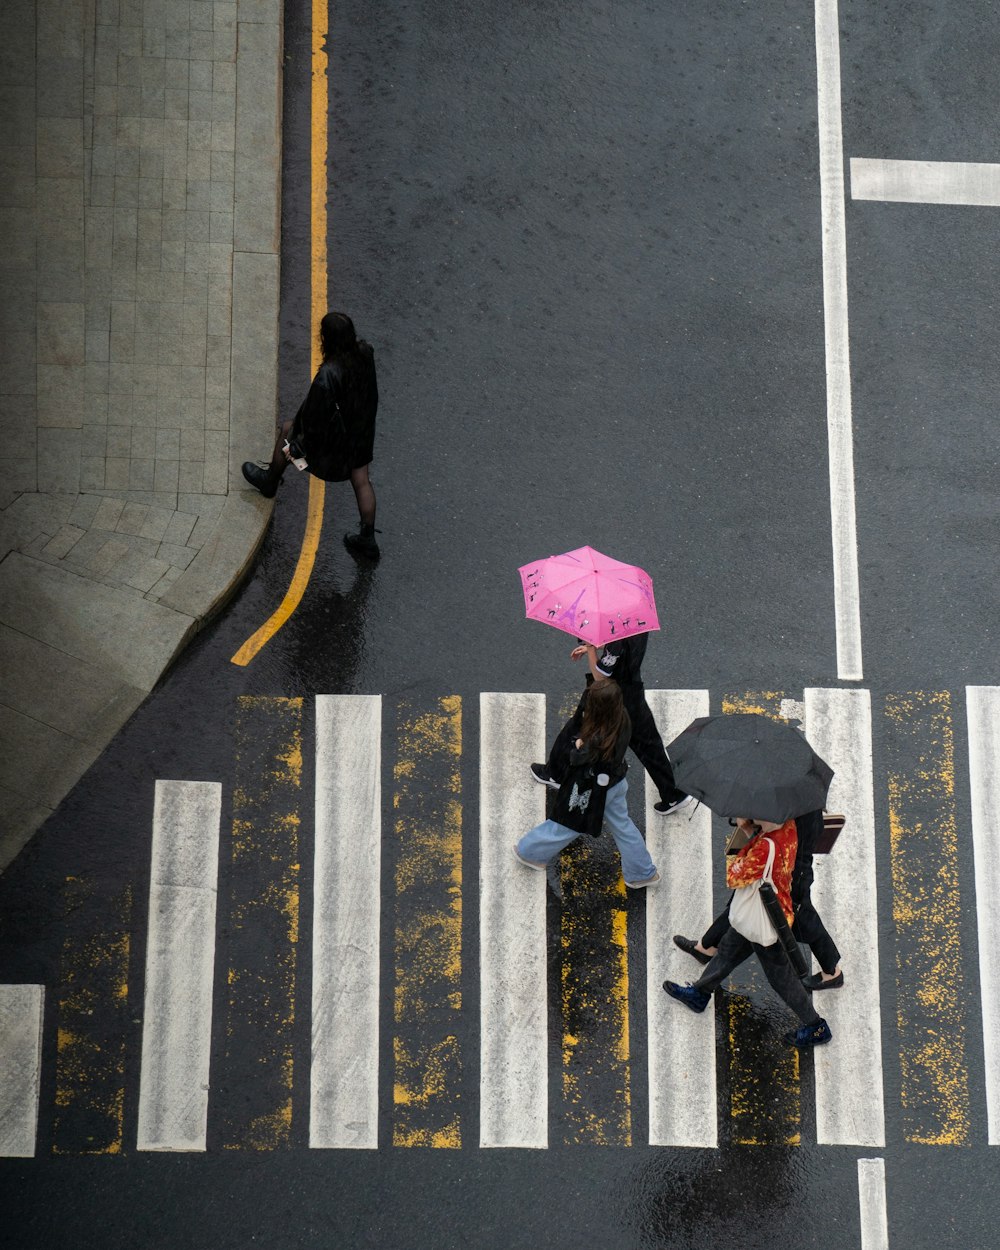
(335, 426)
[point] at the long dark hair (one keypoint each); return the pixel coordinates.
(351, 361)
(604, 718)
(337, 336)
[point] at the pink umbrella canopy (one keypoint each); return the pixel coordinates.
(589, 595)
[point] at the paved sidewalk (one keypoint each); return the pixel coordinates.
(139, 237)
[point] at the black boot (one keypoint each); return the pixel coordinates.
(265, 481)
(363, 542)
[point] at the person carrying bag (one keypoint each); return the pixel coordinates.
(768, 858)
(593, 791)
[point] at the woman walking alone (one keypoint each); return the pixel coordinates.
(334, 429)
(595, 790)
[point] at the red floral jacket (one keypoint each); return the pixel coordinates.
(748, 865)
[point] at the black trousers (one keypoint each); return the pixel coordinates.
(734, 949)
(807, 926)
(645, 742)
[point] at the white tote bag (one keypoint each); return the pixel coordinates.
(747, 914)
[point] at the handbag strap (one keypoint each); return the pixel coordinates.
(766, 875)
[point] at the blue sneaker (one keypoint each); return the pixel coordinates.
(697, 1000)
(809, 1035)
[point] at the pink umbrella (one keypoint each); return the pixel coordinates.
(589, 595)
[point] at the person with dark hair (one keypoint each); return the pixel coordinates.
(620, 662)
(333, 432)
(595, 790)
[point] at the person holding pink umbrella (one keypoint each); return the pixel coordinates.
(604, 603)
(620, 662)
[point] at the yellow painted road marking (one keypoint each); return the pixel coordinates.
(318, 306)
(263, 923)
(926, 908)
(428, 945)
(597, 1096)
(93, 1026)
(763, 1077)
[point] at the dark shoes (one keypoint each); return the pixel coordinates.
(690, 947)
(263, 479)
(544, 778)
(809, 1035)
(363, 542)
(665, 808)
(696, 1000)
(816, 982)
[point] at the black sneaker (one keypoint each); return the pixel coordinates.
(665, 809)
(263, 479)
(544, 778)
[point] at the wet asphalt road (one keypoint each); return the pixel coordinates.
(585, 244)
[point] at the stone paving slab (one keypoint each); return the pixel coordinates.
(139, 277)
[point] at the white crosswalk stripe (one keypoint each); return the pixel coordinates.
(983, 713)
(180, 966)
(21, 1008)
(513, 1080)
(682, 1094)
(343, 1108)
(849, 1103)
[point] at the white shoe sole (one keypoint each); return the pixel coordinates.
(552, 785)
(680, 806)
(529, 863)
(642, 885)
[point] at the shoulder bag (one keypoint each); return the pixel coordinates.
(747, 913)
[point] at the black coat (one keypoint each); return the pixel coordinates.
(335, 426)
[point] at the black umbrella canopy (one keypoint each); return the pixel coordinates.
(746, 764)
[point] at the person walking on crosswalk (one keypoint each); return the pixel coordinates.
(620, 662)
(808, 926)
(747, 866)
(594, 791)
(333, 432)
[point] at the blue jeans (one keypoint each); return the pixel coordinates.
(545, 841)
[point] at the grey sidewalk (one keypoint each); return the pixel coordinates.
(139, 236)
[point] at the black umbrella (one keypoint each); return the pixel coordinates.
(746, 764)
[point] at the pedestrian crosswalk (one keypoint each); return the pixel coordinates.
(419, 914)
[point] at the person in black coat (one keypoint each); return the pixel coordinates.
(334, 429)
(621, 662)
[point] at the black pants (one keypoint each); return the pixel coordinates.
(645, 742)
(807, 927)
(734, 949)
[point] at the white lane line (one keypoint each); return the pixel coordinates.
(871, 1198)
(840, 430)
(849, 1087)
(983, 711)
(513, 1075)
(682, 1091)
(180, 966)
(347, 888)
(925, 182)
(21, 1011)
